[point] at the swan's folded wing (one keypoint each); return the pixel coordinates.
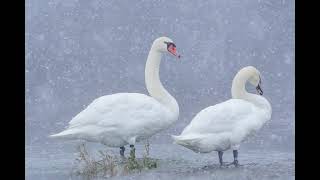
(222, 117)
(95, 111)
(140, 115)
(125, 110)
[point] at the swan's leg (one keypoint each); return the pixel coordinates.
(132, 152)
(122, 149)
(235, 148)
(235, 156)
(220, 153)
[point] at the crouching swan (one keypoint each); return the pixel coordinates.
(227, 124)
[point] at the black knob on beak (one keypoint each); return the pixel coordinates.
(259, 90)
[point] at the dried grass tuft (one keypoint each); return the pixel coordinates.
(110, 165)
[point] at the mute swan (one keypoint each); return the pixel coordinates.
(126, 118)
(227, 124)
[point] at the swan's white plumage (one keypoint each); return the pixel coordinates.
(120, 117)
(223, 125)
(126, 118)
(227, 124)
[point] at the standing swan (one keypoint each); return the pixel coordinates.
(126, 118)
(227, 124)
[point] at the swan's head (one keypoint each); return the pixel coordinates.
(254, 78)
(165, 44)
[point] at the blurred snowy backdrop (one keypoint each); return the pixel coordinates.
(78, 50)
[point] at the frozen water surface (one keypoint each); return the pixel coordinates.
(174, 162)
(78, 50)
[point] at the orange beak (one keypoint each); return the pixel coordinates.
(173, 51)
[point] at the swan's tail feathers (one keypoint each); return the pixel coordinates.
(175, 138)
(186, 141)
(66, 134)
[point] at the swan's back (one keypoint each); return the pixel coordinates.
(121, 108)
(115, 119)
(233, 119)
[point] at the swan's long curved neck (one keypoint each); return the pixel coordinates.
(153, 83)
(239, 91)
